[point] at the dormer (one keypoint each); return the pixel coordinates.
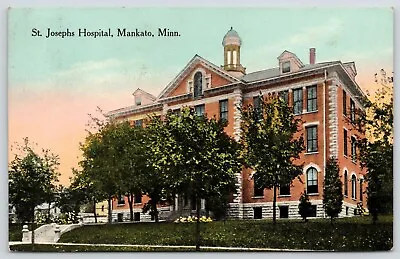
(351, 69)
(289, 62)
(142, 97)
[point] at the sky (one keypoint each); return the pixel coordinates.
(53, 83)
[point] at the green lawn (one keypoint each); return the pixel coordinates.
(349, 234)
(15, 231)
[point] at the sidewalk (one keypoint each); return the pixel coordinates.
(233, 249)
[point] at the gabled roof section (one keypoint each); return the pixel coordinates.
(140, 91)
(286, 52)
(188, 68)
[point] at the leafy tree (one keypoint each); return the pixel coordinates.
(132, 158)
(376, 149)
(159, 150)
(102, 160)
(32, 178)
(333, 195)
(204, 159)
(305, 206)
(272, 144)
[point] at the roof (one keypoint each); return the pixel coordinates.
(232, 37)
(275, 72)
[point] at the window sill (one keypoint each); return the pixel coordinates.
(308, 112)
(120, 205)
(345, 156)
(313, 194)
(311, 153)
(285, 195)
(137, 203)
(257, 197)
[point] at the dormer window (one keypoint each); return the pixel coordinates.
(286, 67)
(138, 100)
(198, 84)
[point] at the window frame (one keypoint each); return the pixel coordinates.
(313, 140)
(286, 190)
(312, 182)
(286, 67)
(257, 190)
(345, 143)
(354, 187)
(353, 149)
(344, 104)
(346, 186)
(200, 107)
(297, 103)
(352, 111)
(361, 189)
(284, 95)
(312, 102)
(198, 87)
(223, 109)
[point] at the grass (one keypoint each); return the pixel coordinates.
(347, 234)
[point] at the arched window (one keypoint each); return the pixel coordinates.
(353, 187)
(198, 83)
(346, 189)
(312, 180)
(361, 189)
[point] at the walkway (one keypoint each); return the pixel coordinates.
(233, 249)
(47, 233)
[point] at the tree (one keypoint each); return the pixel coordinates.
(157, 181)
(204, 160)
(305, 206)
(272, 144)
(32, 178)
(102, 159)
(132, 161)
(333, 195)
(376, 149)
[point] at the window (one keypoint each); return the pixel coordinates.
(284, 189)
(257, 212)
(361, 189)
(286, 67)
(257, 106)
(228, 57)
(102, 208)
(353, 149)
(136, 216)
(298, 101)
(344, 103)
(138, 123)
(353, 187)
(283, 212)
(223, 110)
(312, 180)
(312, 98)
(199, 110)
(138, 198)
(352, 111)
(198, 84)
(312, 139)
(120, 217)
(258, 190)
(121, 199)
(234, 57)
(177, 111)
(345, 142)
(346, 188)
(138, 100)
(285, 96)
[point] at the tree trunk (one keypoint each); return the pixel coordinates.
(198, 207)
(33, 231)
(331, 220)
(49, 213)
(94, 210)
(109, 209)
(154, 209)
(274, 207)
(130, 202)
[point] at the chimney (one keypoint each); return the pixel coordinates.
(312, 56)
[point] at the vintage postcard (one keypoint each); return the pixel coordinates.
(200, 129)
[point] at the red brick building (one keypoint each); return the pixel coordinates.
(325, 96)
